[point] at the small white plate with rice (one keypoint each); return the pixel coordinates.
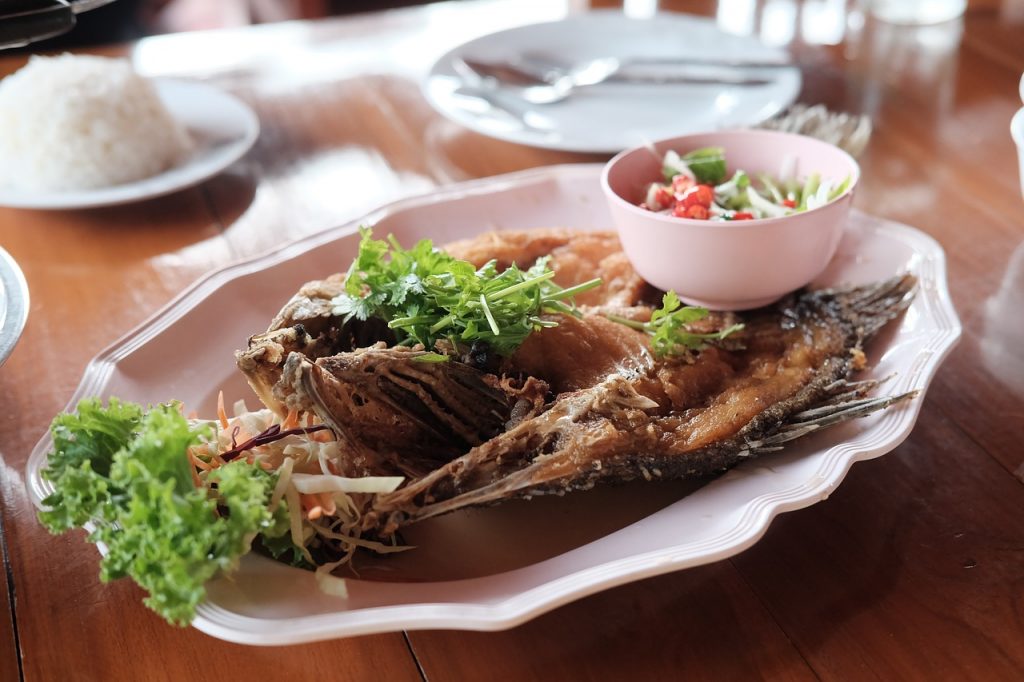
(82, 132)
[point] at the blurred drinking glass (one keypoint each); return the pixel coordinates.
(917, 12)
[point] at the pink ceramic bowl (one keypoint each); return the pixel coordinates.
(733, 265)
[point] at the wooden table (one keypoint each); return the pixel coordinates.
(913, 569)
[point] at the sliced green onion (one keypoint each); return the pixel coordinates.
(572, 291)
(410, 321)
(809, 190)
(769, 185)
(489, 316)
(838, 191)
(525, 284)
(560, 307)
(431, 357)
(442, 323)
(628, 322)
(763, 205)
(541, 322)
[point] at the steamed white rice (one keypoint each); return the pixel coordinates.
(79, 122)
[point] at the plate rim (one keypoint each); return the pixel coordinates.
(523, 137)
(522, 606)
(16, 303)
(118, 195)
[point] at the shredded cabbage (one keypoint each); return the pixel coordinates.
(325, 483)
(673, 164)
(332, 584)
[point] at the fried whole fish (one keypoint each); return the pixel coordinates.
(672, 419)
(583, 402)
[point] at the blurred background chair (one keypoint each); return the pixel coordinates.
(126, 20)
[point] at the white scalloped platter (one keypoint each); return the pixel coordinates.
(493, 568)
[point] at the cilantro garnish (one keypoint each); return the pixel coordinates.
(426, 296)
(669, 331)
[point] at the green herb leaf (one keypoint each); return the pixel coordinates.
(669, 330)
(426, 295)
(432, 358)
(708, 164)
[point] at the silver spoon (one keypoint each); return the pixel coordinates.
(549, 86)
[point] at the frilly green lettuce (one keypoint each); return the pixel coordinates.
(125, 472)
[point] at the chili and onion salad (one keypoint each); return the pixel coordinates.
(697, 185)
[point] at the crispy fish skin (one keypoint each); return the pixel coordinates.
(799, 358)
(575, 257)
(400, 415)
(308, 326)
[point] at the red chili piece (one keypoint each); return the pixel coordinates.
(701, 195)
(742, 215)
(697, 212)
(789, 203)
(664, 198)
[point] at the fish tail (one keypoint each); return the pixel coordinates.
(868, 307)
(808, 421)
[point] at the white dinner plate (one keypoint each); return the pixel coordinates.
(13, 304)
(610, 117)
(222, 126)
(495, 567)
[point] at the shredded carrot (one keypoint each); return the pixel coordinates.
(196, 462)
(317, 504)
(325, 436)
(221, 412)
(309, 419)
(291, 421)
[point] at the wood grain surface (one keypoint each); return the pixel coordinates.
(913, 569)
